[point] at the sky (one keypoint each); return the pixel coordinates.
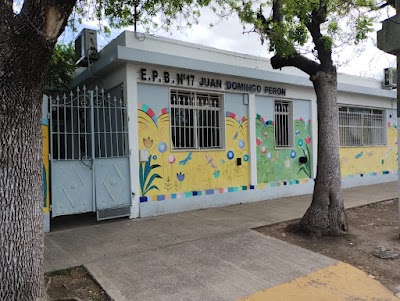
(366, 60)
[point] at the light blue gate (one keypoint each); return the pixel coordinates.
(89, 154)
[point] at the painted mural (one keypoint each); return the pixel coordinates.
(169, 172)
(45, 164)
(367, 160)
(283, 164)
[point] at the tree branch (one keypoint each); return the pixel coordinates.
(299, 61)
(324, 51)
(6, 20)
(6, 8)
(47, 17)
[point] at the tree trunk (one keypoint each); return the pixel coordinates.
(21, 213)
(326, 215)
(26, 44)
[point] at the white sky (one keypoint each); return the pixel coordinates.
(367, 61)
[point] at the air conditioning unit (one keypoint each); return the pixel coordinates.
(86, 47)
(390, 80)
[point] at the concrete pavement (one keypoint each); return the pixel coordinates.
(209, 254)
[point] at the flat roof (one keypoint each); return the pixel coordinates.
(137, 48)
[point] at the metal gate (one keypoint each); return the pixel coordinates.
(89, 154)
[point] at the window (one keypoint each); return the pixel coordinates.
(283, 124)
(197, 120)
(361, 126)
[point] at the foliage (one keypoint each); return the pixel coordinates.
(145, 170)
(151, 14)
(62, 66)
(288, 26)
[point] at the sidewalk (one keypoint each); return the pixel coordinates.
(209, 254)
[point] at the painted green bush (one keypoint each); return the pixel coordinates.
(146, 176)
(276, 164)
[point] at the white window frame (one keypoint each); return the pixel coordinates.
(289, 124)
(378, 131)
(195, 108)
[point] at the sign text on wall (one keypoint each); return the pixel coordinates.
(187, 79)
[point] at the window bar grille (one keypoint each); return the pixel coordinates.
(214, 123)
(110, 124)
(97, 123)
(195, 121)
(184, 99)
(203, 130)
(116, 126)
(205, 121)
(85, 120)
(79, 123)
(173, 117)
(123, 127)
(72, 128)
(58, 127)
(191, 105)
(51, 127)
(65, 129)
(104, 123)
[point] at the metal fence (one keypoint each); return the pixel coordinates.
(88, 123)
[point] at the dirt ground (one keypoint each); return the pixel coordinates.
(371, 225)
(75, 282)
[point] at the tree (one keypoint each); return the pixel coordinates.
(302, 34)
(62, 66)
(28, 34)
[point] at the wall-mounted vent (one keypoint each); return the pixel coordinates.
(390, 79)
(86, 47)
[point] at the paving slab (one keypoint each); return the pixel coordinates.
(224, 267)
(208, 254)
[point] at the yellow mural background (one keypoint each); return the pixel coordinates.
(362, 160)
(46, 175)
(202, 170)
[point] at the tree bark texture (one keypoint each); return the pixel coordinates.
(27, 40)
(326, 215)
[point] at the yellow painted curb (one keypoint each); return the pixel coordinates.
(340, 282)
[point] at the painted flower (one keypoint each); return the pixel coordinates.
(258, 141)
(180, 176)
(263, 149)
(301, 119)
(154, 157)
(216, 174)
(269, 155)
(171, 159)
(148, 142)
(300, 142)
(230, 155)
(241, 144)
(245, 158)
(293, 154)
(162, 147)
(308, 140)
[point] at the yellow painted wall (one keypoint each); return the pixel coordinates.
(46, 174)
(362, 160)
(169, 172)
